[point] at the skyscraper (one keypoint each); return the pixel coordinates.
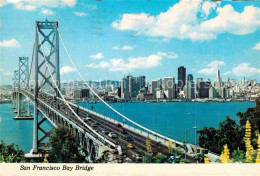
(181, 77)
(133, 86)
(169, 87)
(154, 87)
(125, 88)
(141, 80)
(190, 87)
(218, 82)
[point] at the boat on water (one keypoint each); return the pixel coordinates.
(92, 101)
(151, 101)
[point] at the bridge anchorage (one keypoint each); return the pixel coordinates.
(40, 84)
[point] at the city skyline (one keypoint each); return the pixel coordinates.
(113, 43)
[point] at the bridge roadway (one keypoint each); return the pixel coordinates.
(139, 140)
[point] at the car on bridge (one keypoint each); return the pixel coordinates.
(87, 119)
(95, 124)
(123, 131)
(118, 125)
(131, 146)
(105, 131)
(127, 137)
(89, 115)
(112, 135)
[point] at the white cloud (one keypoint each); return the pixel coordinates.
(212, 68)
(47, 11)
(135, 63)
(100, 65)
(181, 21)
(97, 56)
(227, 73)
(10, 43)
(207, 7)
(215, 63)
(31, 5)
(66, 69)
(257, 46)
(125, 47)
(170, 55)
(129, 64)
(91, 7)
(8, 73)
(208, 71)
(80, 14)
(245, 69)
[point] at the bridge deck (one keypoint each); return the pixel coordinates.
(157, 144)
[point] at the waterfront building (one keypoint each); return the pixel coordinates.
(223, 92)
(134, 87)
(159, 94)
(85, 93)
(159, 83)
(218, 82)
(181, 78)
(203, 89)
(125, 88)
(169, 87)
(190, 91)
(213, 93)
(119, 91)
(198, 80)
(154, 87)
(233, 82)
(77, 94)
(141, 82)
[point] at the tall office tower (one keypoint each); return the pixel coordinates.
(190, 92)
(77, 94)
(218, 83)
(159, 83)
(154, 87)
(119, 91)
(233, 82)
(198, 80)
(227, 80)
(133, 87)
(169, 87)
(213, 93)
(203, 88)
(85, 93)
(125, 88)
(142, 82)
(181, 77)
(244, 81)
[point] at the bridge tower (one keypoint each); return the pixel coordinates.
(22, 82)
(15, 81)
(46, 35)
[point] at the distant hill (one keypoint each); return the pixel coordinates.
(6, 86)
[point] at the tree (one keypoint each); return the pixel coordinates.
(238, 156)
(10, 153)
(232, 134)
(64, 146)
(105, 157)
(208, 138)
(253, 115)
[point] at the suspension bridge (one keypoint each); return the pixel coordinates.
(39, 86)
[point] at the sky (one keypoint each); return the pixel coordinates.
(110, 39)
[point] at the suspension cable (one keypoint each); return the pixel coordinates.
(142, 127)
(102, 137)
